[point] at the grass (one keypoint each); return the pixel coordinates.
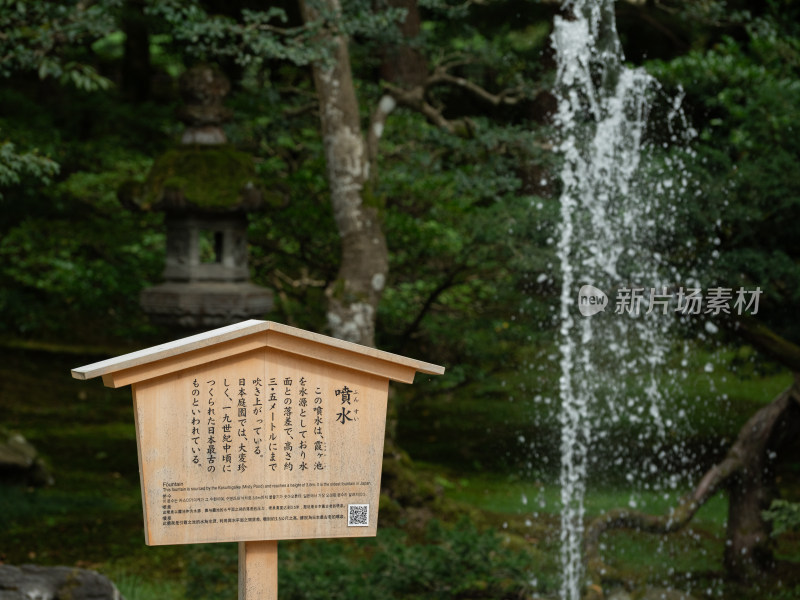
(138, 587)
(531, 509)
(511, 423)
(92, 516)
(511, 495)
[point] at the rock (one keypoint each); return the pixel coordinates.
(620, 595)
(31, 582)
(19, 461)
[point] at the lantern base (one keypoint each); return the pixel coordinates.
(197, 305)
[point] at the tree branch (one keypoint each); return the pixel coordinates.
(296, 111)
(284, 31)
(750, 445)
(509, 96)
(766, 340)
(414, 98)
(426, 306)
(377, 123)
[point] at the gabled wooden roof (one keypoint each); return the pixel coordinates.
(251, 335)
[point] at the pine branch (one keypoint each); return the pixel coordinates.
(414, 98)
(417, 98)
(509, 96)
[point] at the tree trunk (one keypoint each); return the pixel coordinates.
(747, 552)
(136, 71)
(353, 297)
(745, 470)
(404, 64)
(747, 549)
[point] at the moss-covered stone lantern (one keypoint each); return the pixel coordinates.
(205, 189)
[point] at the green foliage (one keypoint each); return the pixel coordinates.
(466, 245)
(211, 572)
(259, 35)
(14, 167)
(251, 38)
(743, 97)
(784, 515)
(87, 435)
(469, 221)
(70, 252)
(465, 221)
(294, 247)
(452, 562)
(57, 264)
(42, 36)
(136, 587)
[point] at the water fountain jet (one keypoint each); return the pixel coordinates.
(610, 219)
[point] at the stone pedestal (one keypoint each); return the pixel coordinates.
(205, 304)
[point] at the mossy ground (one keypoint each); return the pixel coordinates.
(92, 516)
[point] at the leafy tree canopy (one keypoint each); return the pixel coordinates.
(464, 171)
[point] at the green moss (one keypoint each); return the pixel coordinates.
(210, 178)
(346, 295)
(373, 200)
(412, 496)
(338, 289)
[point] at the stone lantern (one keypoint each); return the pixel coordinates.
(205, 188)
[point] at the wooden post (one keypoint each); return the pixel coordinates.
(258, 570)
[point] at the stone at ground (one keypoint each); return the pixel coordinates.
(31, 582)
(19, 461)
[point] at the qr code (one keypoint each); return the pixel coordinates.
(358, 515)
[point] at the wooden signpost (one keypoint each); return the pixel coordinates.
(258, 432)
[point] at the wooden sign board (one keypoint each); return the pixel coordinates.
(258, 431)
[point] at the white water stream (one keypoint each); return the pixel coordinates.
(613, 220)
